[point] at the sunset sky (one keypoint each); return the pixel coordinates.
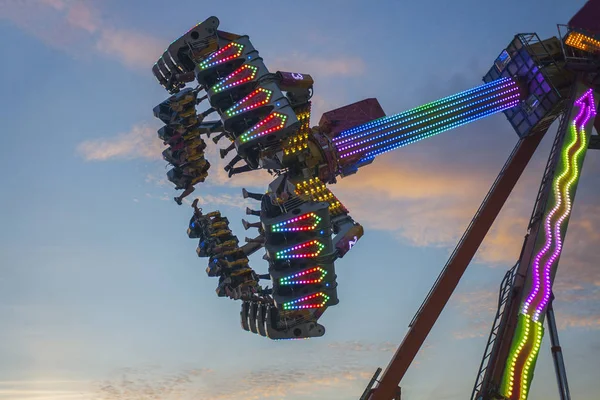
(102, 296)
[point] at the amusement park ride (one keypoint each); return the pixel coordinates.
(305, 228)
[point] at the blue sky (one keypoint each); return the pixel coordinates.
(101, 293)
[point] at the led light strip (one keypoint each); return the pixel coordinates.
(522, 356)
(247, 136)
(231, 51)
(431, 111)
(284, 254)
(291, 279)
(391, 118)
(250, 71)
(411, 137)
(419, 119)
(279, 227)
(263, 96)
(520, 363)
(289, 305)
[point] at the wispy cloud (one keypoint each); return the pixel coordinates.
(335, 65)
(140, 142)
(338, 370)
(77, 26)
(44, 390)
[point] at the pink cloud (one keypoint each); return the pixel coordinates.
(133, 49)
(83, 16)
(65, 24)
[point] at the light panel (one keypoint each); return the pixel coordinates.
(227, 53)
(317, 300)
(310, 249)
(583, 42)
(243, 74)
(308, 276)
(306, 222)
(257, 98)
(272, 123)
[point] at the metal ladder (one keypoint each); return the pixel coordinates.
(503, 297)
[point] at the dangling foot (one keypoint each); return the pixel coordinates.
(230, 173)
(246, 224)
(223, 153)
(244, 193)
(177, 200)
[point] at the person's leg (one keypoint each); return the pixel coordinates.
(224, 152)
(233, 161)
(248, 225)
(188, 190)
(259, 239)
(219, 137)
(239, 170)
(256, 196)
(252, 212)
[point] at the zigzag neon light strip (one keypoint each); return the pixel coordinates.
(229, 52)
(314, 245)
(291, 279)
(257, 98)
(526, 344)
(273, 122)
(280, 227)
(291, 305)
(243, 74)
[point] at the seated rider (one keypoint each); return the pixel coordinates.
(190, 176)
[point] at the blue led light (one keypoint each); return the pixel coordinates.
(383, 120)
(465, 121)
(360, 145)
(435, 112)
(435, 131)
(421, 113)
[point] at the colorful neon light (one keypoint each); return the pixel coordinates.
(230, 52)
(298, 224)
(243, 74)
(444, 103)
(292, 279)
(257, 98)
(311, 249)
(526, 345)
(583, 42)
(273, 122)
(290, 305)
(389, 133)
(443, 124)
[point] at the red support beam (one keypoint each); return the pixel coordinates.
(456, 266)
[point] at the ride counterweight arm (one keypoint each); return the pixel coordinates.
(388, 133)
